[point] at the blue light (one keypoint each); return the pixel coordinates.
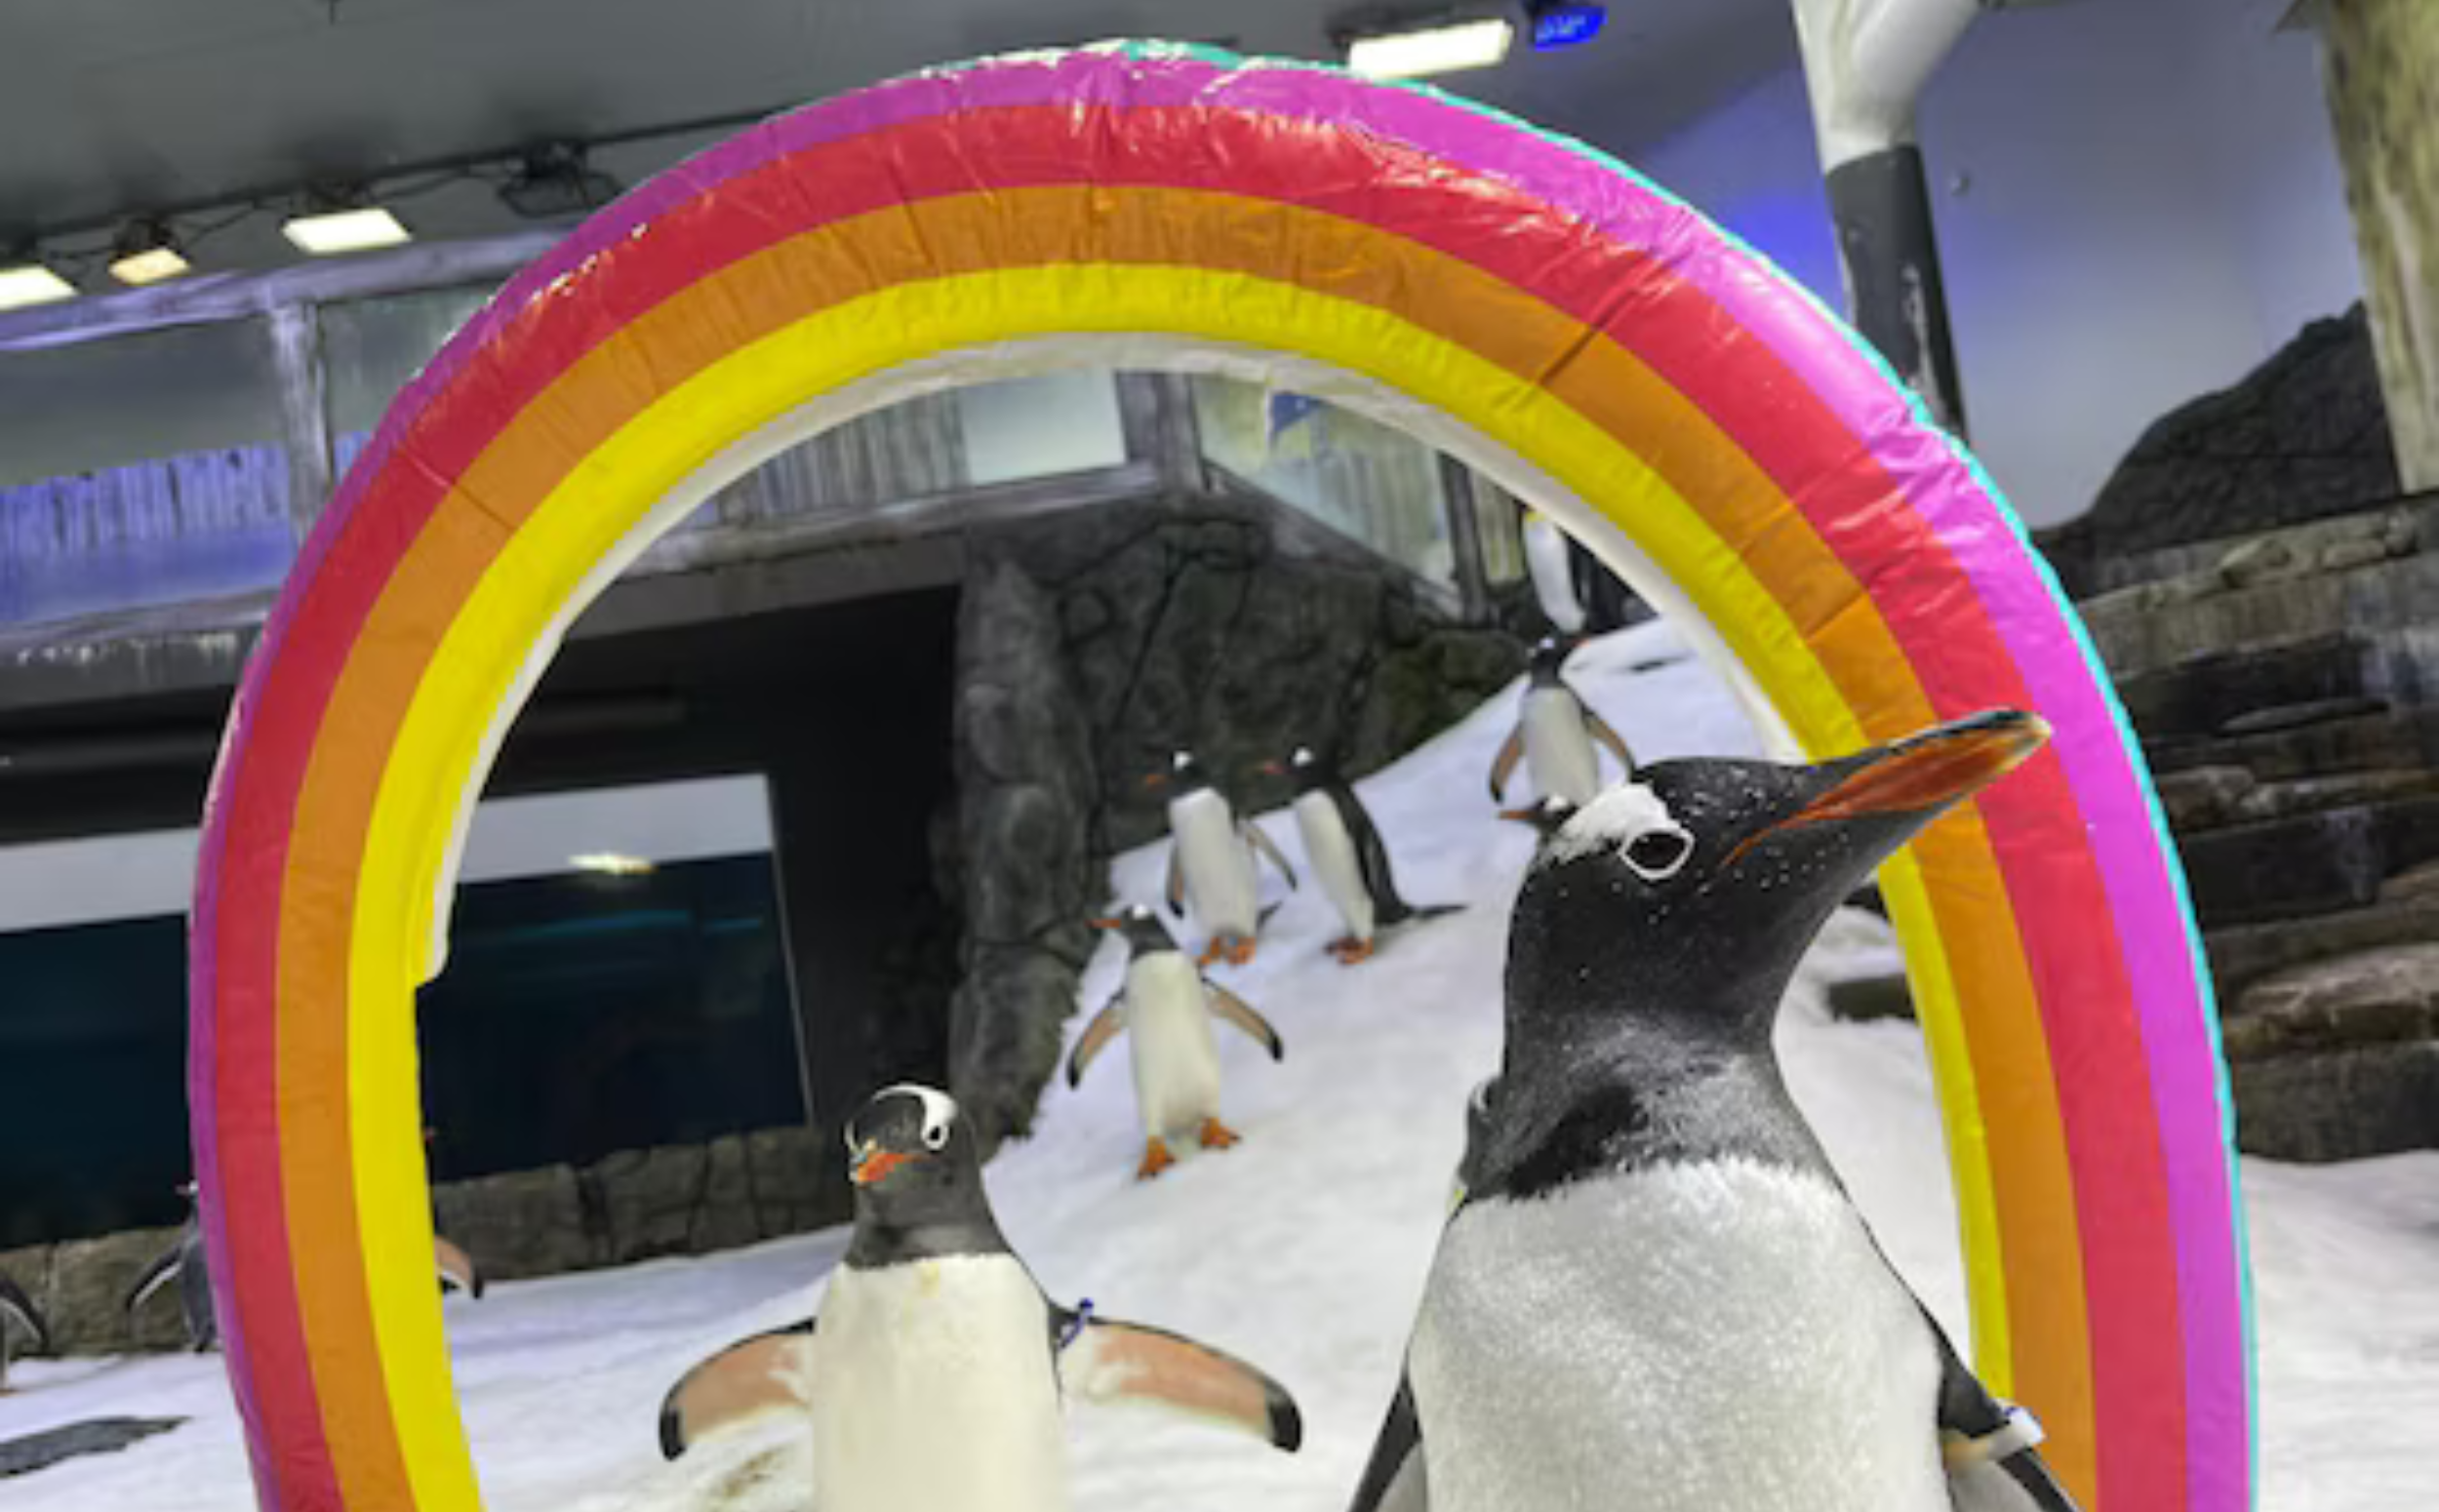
(1566, 24)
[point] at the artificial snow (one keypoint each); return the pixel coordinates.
(1304, 1249)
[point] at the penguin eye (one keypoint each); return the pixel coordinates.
(1656, 854)
(935, 1137)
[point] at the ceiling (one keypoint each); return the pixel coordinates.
(111, 107)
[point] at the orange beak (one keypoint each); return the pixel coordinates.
(1155, 779)
(876, 1166)
(1923, 773)
(1521, 815)
(1107, 923)
(1273, 768)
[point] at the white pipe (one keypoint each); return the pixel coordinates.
(1866, 64)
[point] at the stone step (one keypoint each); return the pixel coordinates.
(2392, 604)
(2206, 798)
(2242, 955)
(2203, 695)
(2343, 1104)
(2314, 540)
(2381, 996)
(2312, 864)
(2363, 742)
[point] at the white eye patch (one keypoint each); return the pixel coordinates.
(939, 1110)
(1630, 821)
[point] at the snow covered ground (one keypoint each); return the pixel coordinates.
(1304, 1249)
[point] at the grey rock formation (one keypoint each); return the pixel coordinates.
(518, 1224)
(2302, 436)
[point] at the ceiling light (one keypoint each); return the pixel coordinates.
(1558, 23)
(147, 254)
(328, 233)
(610, 863)
(1443, 48)
(30, 283)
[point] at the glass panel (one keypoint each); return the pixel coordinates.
(1499, 519)
(1032, 427)
(1363, 479)
(142, 469)
(373, 346)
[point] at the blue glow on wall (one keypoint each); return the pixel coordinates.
(1566, 25)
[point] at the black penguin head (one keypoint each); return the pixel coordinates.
(1477, 1134)
(1144, 931)
(1306, 768)
(1692, 891)
(1549, 658)
(1184, 775)
(1543, 815)
(913, 1163)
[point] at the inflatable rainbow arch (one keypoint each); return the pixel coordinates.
(1520, 299)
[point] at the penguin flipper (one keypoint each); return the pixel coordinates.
(1504, 767)
(1102, 1361)
(1989, 1447)
(1236, 1011)
(1393, 1478)
(767, 1372)
(1177, 880)
(16, 1307)
(1617, 743)
(1372, 859)
(153, 1277)
(457, 1268)
(1105, 1026)
(1255, 837)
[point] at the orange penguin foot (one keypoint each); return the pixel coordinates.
(1212, 952)
(1240, 949)
(1156, 1159)
(1218, 1136)
(1351, 950)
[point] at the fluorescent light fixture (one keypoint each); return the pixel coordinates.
(610, 863)
(30, 283)
(1428, 49)
(330, 232)
(151, 266)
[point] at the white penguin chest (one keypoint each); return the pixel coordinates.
(1558, 749)
(1332, 851)
(936, 1389)
(1710, 1338)
(1219, 869)
(1171, 1046)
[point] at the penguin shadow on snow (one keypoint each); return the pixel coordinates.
(1213, 867)
(1652, 1289)
(1164, 1005)
(26, 1454)
(934, 1372)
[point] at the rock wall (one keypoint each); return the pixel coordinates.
(2303, 436)
(1096, 643)
(636, 1204)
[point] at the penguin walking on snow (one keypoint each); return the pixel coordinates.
(1554, 733)
(18, 1316)
(934, 1372)
(1169, 1006)
(1344, 847)
(1211, 861)
(185, 1263)
(1655, 1293)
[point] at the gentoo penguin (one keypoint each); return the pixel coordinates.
(18, 1314)
(1344, 846)
(1554, 733)
(1655, 1293)
(1549, 559)
(183, 1262)
(1169, 1005)
(1210, 862)
(935, 1369)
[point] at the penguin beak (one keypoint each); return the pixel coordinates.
(1924, 774)
(1155, 780)
(1107, 923)
(874, 1164)
(1273, 768)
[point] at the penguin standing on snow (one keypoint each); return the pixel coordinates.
(1211, 861)
(1655, 1293)
(18, 1314)
(1344, 847)
(1169, 1006)
(1554, 733)
(935, 1369)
